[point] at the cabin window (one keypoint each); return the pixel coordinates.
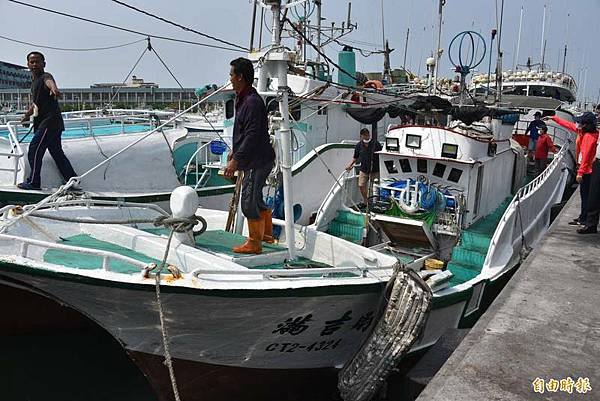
(422, 166)
(405, 166)
(229, 109)
(392, 144)
(449, 150)
(413, 141)
(391, 168)
(439, 170)
(454, 175)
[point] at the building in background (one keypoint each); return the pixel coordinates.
(13, 76)
(136, 94)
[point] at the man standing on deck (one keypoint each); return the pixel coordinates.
(48, 124)
(532, 130)
(252, 153)
(369, 162)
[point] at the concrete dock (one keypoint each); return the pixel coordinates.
(540, 340)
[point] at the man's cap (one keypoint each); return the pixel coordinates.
(537, 113)
(586, 118)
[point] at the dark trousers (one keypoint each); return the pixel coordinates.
(593, 202)
(47, 139)
(252, 191)
(584, 191)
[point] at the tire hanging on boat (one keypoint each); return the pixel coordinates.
(398, 328)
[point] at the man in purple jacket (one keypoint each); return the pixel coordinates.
(252, 153)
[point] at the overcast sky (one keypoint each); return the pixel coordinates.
(231, 19)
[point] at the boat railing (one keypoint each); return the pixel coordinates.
(449, 220)
(26, 243)
(87, 203)
(554, 131)
(194, 158)
(16, 151)
(511, 230)
(300, 273)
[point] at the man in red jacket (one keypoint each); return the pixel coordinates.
(589, 138)
(543, 146)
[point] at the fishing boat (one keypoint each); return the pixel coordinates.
(227, 326)
(190, 148)
(456, 204)
(529, 82)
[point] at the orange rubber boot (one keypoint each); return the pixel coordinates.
(256, 229)
(267, 217)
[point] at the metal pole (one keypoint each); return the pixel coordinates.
(499, 60)
(405, 48)
(543, 39)
(566, 43)
(516, 58)
(253, 26)
(285, 137)
(439, 43)
(490, 62)
(318, 5)
(260, 32)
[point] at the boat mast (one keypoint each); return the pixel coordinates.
(438, 51)
(516, 58)
(278, 57)
(407, 33)
(499, 59)
(566, 43)
(543, 44)
(251, 48)
(318, 5)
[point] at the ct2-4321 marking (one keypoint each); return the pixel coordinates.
(293, 347)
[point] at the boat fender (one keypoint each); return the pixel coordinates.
(373, 84)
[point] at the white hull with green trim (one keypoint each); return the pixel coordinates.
(480, 235)
(245, 311)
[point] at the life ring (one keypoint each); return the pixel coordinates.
(373, 84)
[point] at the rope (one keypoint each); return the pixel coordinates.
(152, 48)
(177, 224)
(163, 325)
(316, 48)
(179, 25)
(67, 49)
(123, 29)
(524, 247)
(130, 72)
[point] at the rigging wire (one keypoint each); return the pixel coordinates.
(147, 48)
(120, 28)
(179, 25)
(316, 48)
(72, 49)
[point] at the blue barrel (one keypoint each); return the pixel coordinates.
(218, 147)
(347, 60)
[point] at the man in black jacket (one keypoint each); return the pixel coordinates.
(48, 124)
(365, 153)
(252, 153)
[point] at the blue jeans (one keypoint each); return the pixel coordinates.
(47, 139)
